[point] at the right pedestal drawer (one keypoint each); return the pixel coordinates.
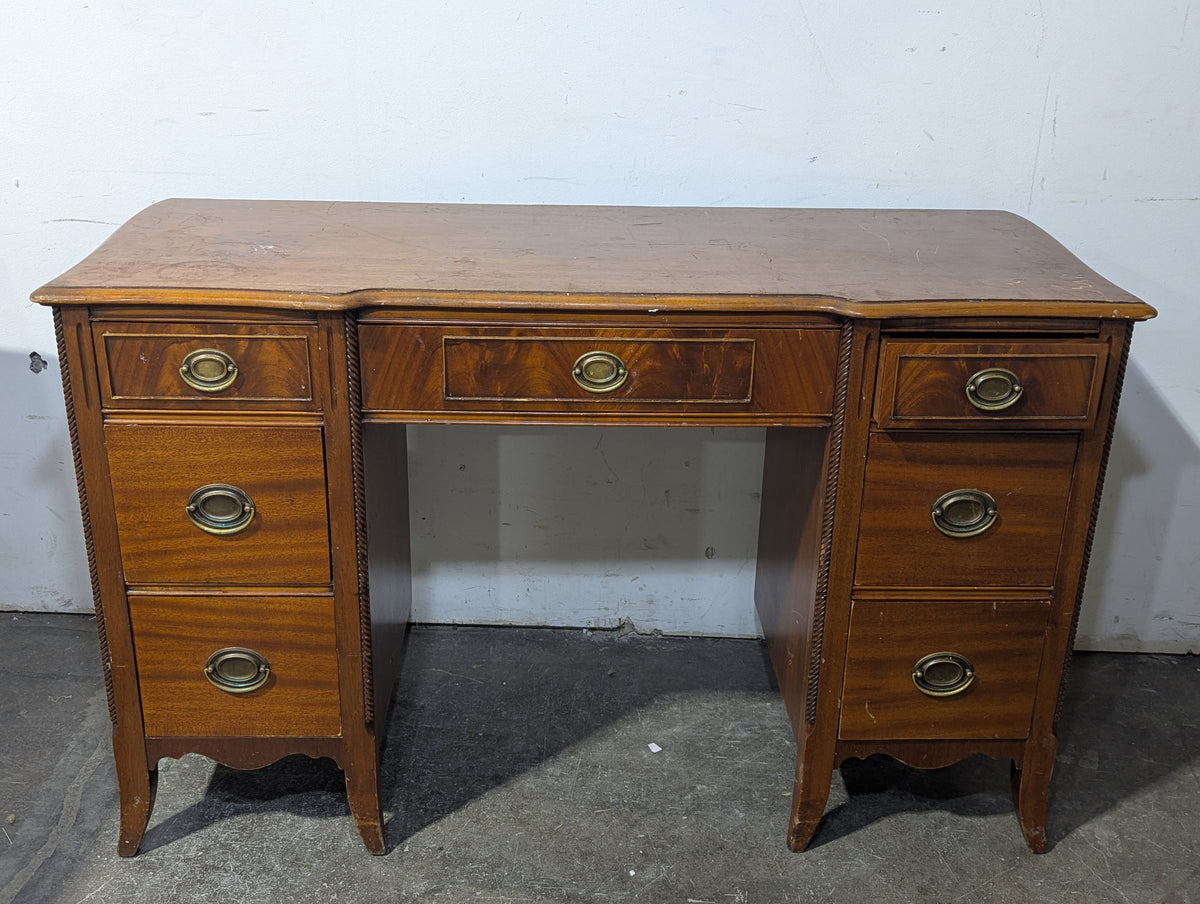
(1030, 384)
(949, 510)
(942, 669)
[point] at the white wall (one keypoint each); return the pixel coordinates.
(1083, 116)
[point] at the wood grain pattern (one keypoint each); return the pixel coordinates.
(450, 372)
(330, 255)
(175, 635)
(524, 368)
(1002, 639)
(155, 468)
(922, 384)
(1029, 476)
(139, 364)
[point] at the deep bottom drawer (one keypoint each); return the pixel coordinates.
(176, 637)
(1001, 643)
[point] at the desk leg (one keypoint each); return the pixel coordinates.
(810, 792)
(362, 792)
(136, 780)
(812, 491)
(791, 590)
(373, 580)
(1031, 792)
(137, 786)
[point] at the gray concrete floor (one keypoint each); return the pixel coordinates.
(518, 770)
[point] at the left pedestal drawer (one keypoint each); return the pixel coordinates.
(234, 664)
(203, 365)
(220, 504)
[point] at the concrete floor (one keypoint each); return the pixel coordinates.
(518, 771)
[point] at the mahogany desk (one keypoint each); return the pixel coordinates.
(939, 388)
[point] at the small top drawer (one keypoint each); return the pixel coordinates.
(146, 365)
(1026, 384)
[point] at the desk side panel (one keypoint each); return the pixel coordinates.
(787, 577)
(389, 566)
(136, 775)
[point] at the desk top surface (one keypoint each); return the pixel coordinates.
(345, 255)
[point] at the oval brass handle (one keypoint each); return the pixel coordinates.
(994, 389)
(599, 371)
(964, 513)
(943, 674)
(218, 508)
(237, 670)
(208, 370)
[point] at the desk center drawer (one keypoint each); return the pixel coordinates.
(637, 370)
(438, 371)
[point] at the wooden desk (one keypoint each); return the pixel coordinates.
(940, 389)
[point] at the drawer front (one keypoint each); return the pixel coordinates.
(177, 637)
(998, 644)
(156, 472)
(446, 369)
(564, 370)
(205, 365)
(908, 475)
(1052, 385)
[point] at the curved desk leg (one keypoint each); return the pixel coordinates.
(1031, 793)
(137, 787)
(362, 793)
(810, 792)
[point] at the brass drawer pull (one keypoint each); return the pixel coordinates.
(964, 513)
(599, 372)
(237, 670)
(994, 389)
(208, 370)
(221, 509)
(943, 674)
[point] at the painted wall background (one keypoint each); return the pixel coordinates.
(1084, 117)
